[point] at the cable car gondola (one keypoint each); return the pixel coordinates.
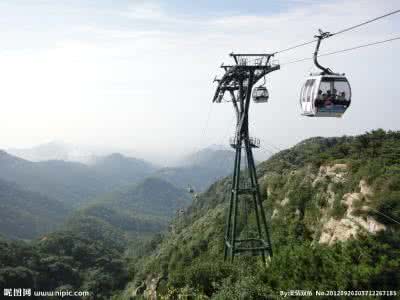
(260, 94)
(190, 189)
(325, 94)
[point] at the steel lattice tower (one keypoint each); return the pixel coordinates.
(238, 81)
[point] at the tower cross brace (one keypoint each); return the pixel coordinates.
(238, 82)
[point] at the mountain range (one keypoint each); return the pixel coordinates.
(128, 193)
(103, 173)
(70, 182)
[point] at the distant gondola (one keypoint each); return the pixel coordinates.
(190, 189)
(260, 94)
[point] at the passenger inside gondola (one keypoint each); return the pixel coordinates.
(334, 96)
(320, 99)
(343, 95)
(328, 101)
(342, 98)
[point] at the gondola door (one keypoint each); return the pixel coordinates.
(306, 97)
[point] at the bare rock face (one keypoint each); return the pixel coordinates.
(274, 213)
(337, 230)
(151, 287)
(285, 201)
(365, 189)
(331, 194)
(348, 227)
(350, 224)
(148, 288)
(336, 173)
(139, 290)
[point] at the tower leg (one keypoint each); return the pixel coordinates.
(254, 185)
(235, 190)
(229, 216)
(258, 197)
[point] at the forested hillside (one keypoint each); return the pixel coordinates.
(26, 215)
(332, 205)
(141, 209)
(87, 255)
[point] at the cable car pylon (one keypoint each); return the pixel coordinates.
(238, 82)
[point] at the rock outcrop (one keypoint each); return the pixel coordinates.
(348, 226)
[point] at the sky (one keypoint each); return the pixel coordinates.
(136, 76)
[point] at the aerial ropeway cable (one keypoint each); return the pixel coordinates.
(340, 31)
(342, 50)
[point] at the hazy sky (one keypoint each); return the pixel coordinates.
(128, 74)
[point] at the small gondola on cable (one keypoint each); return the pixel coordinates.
(191, 191)
(325, 94)
(260, 93)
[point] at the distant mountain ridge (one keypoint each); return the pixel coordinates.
(73, 182)
(127, 169)
(54, 150)
(200, 169)
(211, 157)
